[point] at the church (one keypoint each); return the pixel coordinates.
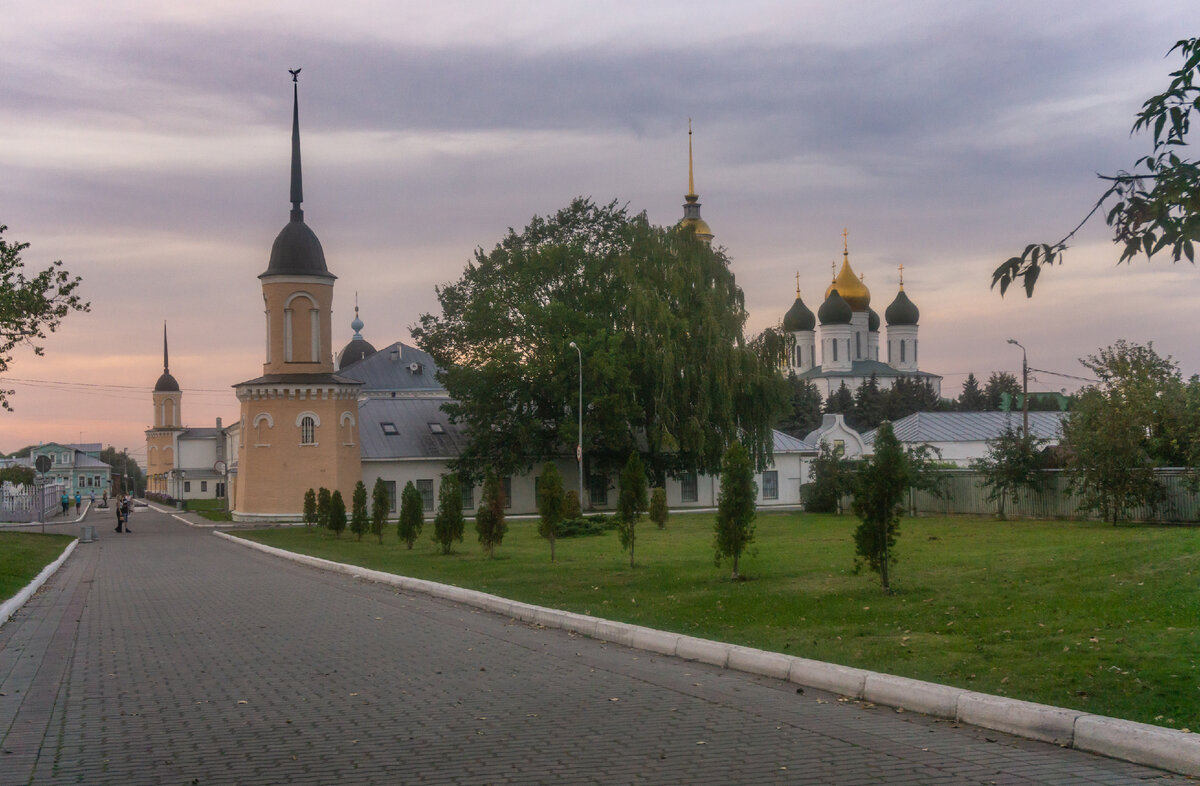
(315, 418)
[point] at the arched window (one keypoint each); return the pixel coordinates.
(308, 431)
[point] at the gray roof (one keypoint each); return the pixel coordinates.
(786, 443)
(865, 368)
(84, 461)
(970, 426)
(201, 433)
(414, 438)
(392, 369)
(299, 379)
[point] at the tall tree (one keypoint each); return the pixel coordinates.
(489, 518)
(324, 500)
(869, 404)
(358, 510)
(631, 502)
(1012, 464)
(831, 477)
(735, 507)
(1155, 207)
(658, 507)
(124, 466)
(551, 502)
(337, 512)
(972, 398)
(310, 508)
(659, 320)
(999, 383)
(804, 408)
(412, 515)
(381, 503)
(31, 307)
(841, 401)
(448, 522)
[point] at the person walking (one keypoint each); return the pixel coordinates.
(66, 502)
(126, 508)
(120, 516)
(78, 502)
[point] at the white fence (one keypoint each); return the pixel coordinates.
(20, 504)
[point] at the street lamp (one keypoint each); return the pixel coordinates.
(1024, 385)
(579, 445)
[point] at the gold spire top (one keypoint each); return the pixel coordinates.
(832, 271)
(850, 287)
(901, 276)
(797, 283)
(691, 180)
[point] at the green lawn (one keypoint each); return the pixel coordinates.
(23, 555)
(1074, 614)
(211, 509)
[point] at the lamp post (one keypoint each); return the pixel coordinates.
(1024, 385)
(579, 445)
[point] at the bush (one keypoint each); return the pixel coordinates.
(658, 507)
(582, 526)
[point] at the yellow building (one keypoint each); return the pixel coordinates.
(299, 427)
(160, 438)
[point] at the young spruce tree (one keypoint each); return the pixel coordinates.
(489, 518)
(358, 510)
(337, 513)
(551, 503)
(448, 521)
(658, 507)
(631, 502)
(412, 515)
(310, 507)
(381, 504)
(735, 507)
(323, 500)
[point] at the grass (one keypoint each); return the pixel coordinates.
(22, 557)
(211, 509)
(1074, 614)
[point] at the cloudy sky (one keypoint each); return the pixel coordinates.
(147, 145)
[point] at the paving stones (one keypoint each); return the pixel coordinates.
(170, 656)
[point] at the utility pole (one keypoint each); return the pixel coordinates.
(1024, 386)
(579, 445)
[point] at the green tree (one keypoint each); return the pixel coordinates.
(489, 518)
(972, 398)
(381, 504)
(659, 320)
(735, 507)
(310, 507)
(124, 466)
(908, 395)
(658, 507)
(999, 383)
(359, 522)
(17, 475)
(831, 477)
(31, 307)
(571, 507)
(631, 502)
(841, 401)
(1124, 426)
(551, 502)
(1013, 463)
(324, 502)
(412, 515)
(869, 405)
(337, 513)
(1152, 208)
(804, 409)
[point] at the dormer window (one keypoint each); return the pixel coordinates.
(436, 428)
(389, 429)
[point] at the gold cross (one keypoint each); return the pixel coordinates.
(845, 241)
(901, 275)
(797, 283)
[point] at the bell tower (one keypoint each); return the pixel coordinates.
(168, 421)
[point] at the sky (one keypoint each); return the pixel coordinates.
(147, 146)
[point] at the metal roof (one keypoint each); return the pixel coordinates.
(398, 368)
(414, 438)
(201, 433)
(786, 443)
(970, 426)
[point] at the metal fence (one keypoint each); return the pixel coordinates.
(20, 504)
(966, 494)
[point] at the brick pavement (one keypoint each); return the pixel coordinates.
(168, 656)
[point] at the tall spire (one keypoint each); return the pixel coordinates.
(691, 180)
(691, 208)
(166, 368)
(297, 181)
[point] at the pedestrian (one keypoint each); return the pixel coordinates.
(66, 502)
(126, 508)
(104, 501)
(120, 516)
(91, 499)
(78, 502)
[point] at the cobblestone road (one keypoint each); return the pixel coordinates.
(168, 656)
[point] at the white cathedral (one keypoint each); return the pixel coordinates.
(849, 337)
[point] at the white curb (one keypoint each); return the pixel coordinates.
(1140, 743)
(9, 607)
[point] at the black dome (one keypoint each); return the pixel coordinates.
(872, 320)
(799, 317)
(166, 384)
(902, 311)
(355, 351)
(297, 252)
(835, 310)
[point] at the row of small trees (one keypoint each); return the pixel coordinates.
(733, 529)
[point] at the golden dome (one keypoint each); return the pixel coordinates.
(849, 286)
(700, 225)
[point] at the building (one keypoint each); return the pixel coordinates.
(848, 336)
(962, 437)
(76, 467)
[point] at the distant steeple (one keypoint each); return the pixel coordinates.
(166, 366)
(297, 179)
(357, 324)
(691, 207)
(166, 383)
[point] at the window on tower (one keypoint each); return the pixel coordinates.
(308, 431)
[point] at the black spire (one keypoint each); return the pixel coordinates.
(166, 368)
(297, 183)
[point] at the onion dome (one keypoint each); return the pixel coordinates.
(296, 250)
(358, 348)
(902, 311)
(799, 317)
(166, 383)
(851, 289)
(835, 310)
(872, 321)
